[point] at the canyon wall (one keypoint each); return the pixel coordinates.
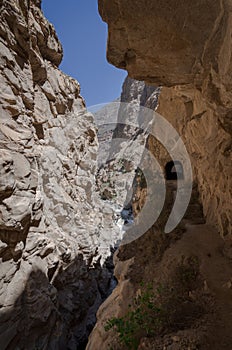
(122, 147)
(189, 53)
(184, 47)
(55, 236)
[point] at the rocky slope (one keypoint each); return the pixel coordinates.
(55, 233)
(188, 270)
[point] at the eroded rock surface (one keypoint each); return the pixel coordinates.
(123, 144)
(54, 237)
(189, 51)
(186, 49)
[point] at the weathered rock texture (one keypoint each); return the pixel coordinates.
(186, 48)
(54, 239)
(192, 275)
(142, 259)
(166, 43)
(122, 147)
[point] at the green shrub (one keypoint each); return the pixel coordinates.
(145, 318)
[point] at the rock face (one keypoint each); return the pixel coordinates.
(54, 236)
(188, 52)
(166, 44)
(190, 275)
(186, 49)
(126, 140)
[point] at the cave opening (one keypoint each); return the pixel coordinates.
(174, 170)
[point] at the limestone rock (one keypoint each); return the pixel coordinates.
(55, 236)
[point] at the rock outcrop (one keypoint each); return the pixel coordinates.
(188, 52)
(55, 235)
(122, 147)
(186, 49)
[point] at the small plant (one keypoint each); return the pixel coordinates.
(145, 318)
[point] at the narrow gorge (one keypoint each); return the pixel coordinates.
(74, 194)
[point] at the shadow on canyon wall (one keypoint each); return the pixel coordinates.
(57, 312)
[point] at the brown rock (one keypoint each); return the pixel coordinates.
(164, 43)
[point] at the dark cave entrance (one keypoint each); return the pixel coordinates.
(174, 170)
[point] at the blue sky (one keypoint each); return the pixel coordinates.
(83, 35)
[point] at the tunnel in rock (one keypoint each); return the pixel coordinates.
(174, 170)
